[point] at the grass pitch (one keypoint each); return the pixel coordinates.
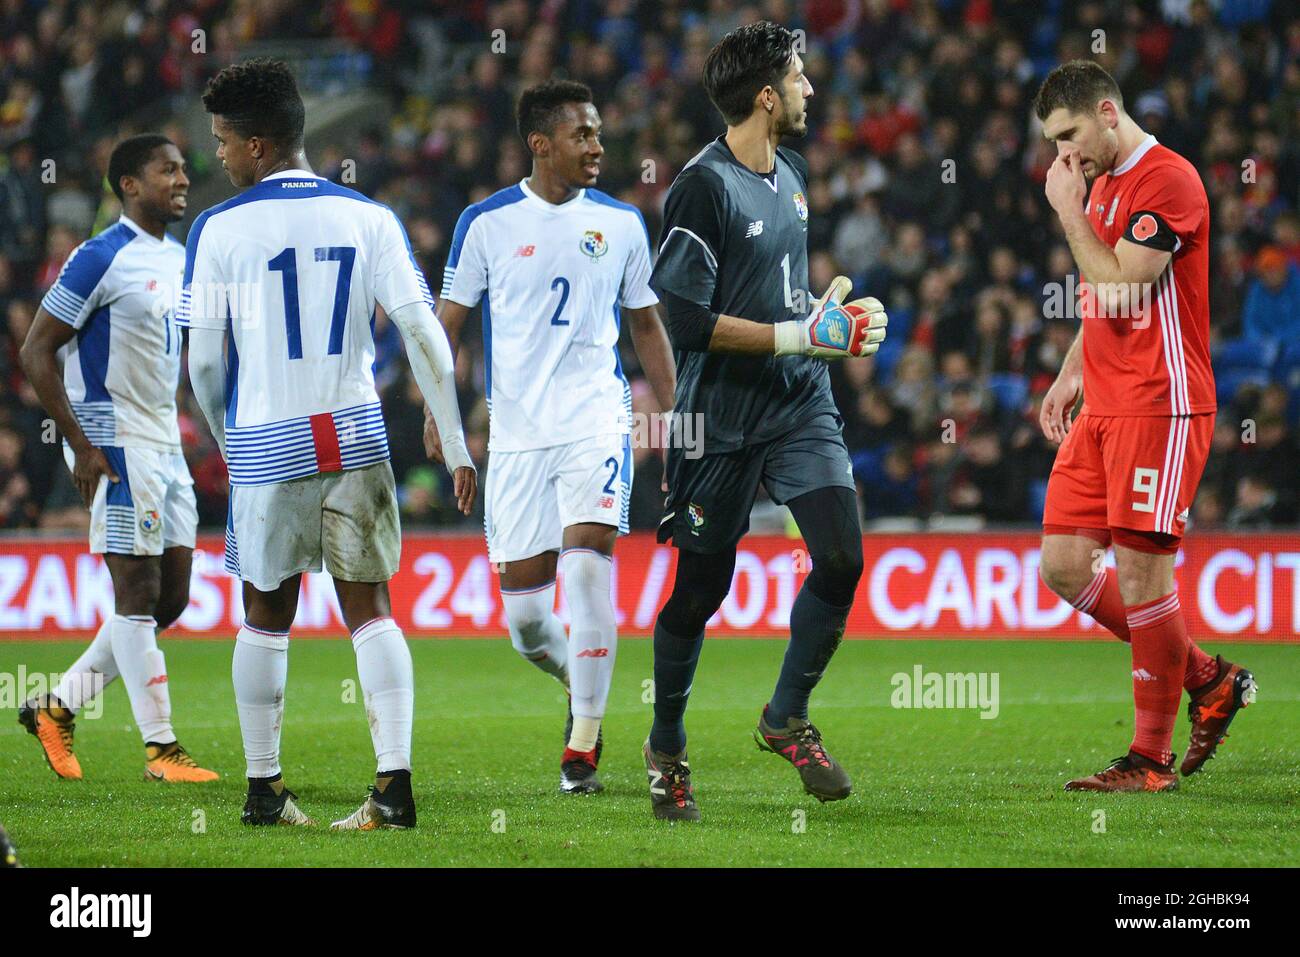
(932, 787)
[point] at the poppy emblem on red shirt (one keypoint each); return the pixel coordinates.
(1145, 227)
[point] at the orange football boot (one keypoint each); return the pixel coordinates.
(53, 728)
(1133, 772)
(171, 763)
(1212, 709)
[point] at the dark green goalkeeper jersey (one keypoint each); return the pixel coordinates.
(736, 242)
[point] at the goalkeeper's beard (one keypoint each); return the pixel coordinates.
(785, 126)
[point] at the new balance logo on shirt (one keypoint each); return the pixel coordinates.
(755, 229)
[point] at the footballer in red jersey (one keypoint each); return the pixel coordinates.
(1128, 466)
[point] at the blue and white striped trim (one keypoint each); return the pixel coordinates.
(232, 552)
(120, 527)
(285, 450)
(363, 440)
(63, 304)
(184, 308)
(423, 283)
(97, 420)
(625, 477)
(448, 277)
(232, 546)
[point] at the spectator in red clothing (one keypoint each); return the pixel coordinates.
(370, 24)
(884, 123)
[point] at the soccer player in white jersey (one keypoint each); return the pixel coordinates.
(554, 262)
(108, 318)
(285, 278)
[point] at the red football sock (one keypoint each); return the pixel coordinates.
(1201, 668)
(1159, 644)
(1101, 599)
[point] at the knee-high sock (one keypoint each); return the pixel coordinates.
(144, 672)
(260, 669)
(388, 688)
(535, 631)
(1101, 599)
(816, 629)
(593, 640)
(90, 674)
(1159, 642)
(674, 671)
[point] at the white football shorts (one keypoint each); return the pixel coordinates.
(152, 507)
(532, 496)
(348, 519)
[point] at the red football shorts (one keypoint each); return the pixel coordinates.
(1129, 472)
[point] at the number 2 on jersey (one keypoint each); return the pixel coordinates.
(286, 263)
(559, 282)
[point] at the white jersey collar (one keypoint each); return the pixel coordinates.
(139, 230)
(534, 198)
(1136, 156)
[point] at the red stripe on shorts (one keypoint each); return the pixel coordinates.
(326, 439)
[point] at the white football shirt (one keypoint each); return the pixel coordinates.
(292, 268)
(555, 277)
(120, 372)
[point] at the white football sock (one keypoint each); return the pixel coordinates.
(388, 689)
(135, 649)
(90, 674)
(593, 640)
(260, 670)
(535, 631)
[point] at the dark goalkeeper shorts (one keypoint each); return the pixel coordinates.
(710, 497)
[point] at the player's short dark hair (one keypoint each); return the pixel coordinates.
(130, 156)
(1078, 86)
(540, 107)
(258, 98)
(743, 62)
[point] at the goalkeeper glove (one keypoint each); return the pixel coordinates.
(835, 329)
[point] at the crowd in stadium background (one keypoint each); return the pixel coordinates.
(926, 174)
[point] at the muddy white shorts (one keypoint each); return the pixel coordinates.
(532, 496)
(348, 519)
(150, 509)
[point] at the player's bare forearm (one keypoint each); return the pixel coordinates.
(733, 334)
(1111, 271)
(1095, 259)
(452, 315)
(1060, 400)
(39, 358)
(1072, 364)
(650, 340)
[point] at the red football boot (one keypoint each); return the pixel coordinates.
(1212, 709)
(1133, 772)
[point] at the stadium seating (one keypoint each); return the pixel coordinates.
(1253, 354)
(1010, 391)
